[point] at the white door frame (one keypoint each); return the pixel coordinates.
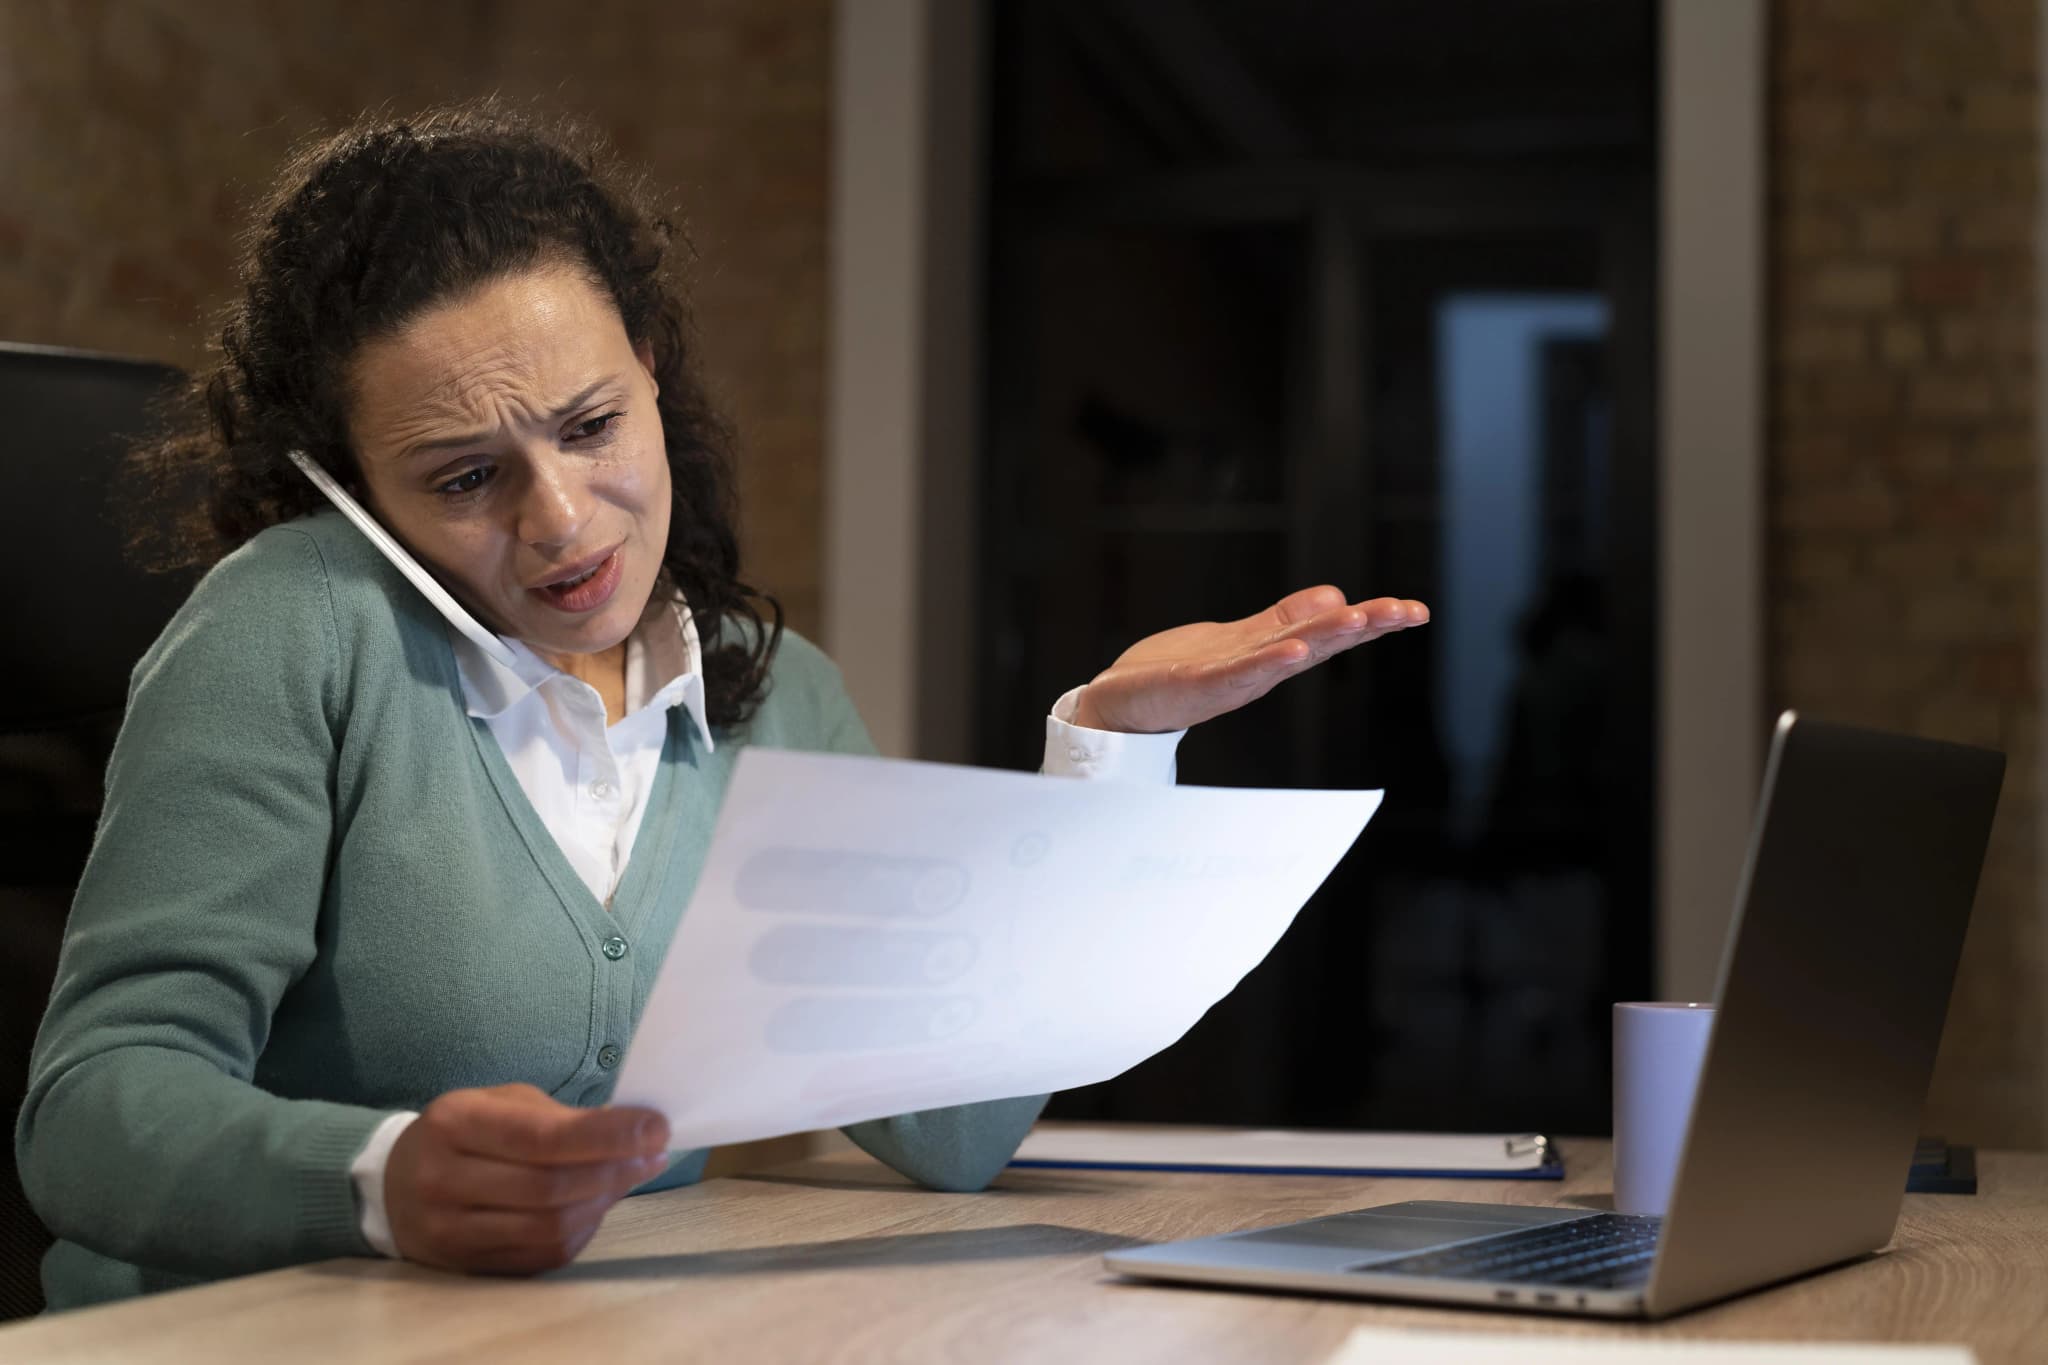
(903, 368)
(1710, 702)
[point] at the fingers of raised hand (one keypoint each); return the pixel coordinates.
(1325, 604)
(1394, 613)
(1330, 633)
(1305, 643)
(1306, 604)
(1342, 627)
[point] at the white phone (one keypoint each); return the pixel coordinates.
(388, 546)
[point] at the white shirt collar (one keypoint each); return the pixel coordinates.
(664, 666)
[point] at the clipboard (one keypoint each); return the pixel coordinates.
(1285, 1151)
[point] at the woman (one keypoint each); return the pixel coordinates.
(372, 911)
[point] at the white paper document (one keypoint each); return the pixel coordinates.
(871, 937)
(1394, 1346)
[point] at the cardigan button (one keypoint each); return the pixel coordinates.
(614, 947)
(607, 1056)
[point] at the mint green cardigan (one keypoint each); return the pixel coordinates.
(318, 895)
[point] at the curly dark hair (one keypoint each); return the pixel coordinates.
(364, 230)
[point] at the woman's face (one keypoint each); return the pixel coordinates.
(509, 439)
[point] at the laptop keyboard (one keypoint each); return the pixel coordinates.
(1606, 1251)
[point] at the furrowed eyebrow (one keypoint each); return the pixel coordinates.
(477, 438)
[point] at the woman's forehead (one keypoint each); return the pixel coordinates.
(537, 339)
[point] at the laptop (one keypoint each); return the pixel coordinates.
(1849, 920)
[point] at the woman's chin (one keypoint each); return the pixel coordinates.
(551, 632)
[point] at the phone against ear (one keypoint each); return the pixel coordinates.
(388, 546)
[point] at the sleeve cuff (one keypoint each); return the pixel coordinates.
(1105, 755)
(367, 1171)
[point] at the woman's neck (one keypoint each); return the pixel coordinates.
(605, 671)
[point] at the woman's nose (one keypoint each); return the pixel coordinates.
(554, 507)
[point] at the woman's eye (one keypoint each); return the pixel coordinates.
(584, 431)
(469, 481)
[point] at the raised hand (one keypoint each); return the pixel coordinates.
(1193, 673)
(508, 1181)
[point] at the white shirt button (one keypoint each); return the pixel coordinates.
(1077, 753)
(602, 789)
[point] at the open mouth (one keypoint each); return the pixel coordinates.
(585, 591)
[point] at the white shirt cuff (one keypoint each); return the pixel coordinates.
(1105, 755)
(367, 1170)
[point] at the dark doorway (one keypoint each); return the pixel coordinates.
(1282, 293)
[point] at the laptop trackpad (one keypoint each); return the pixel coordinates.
(1398, 1229)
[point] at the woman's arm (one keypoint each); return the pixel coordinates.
(963, 1147)
(1125, 724)
(143, 1136)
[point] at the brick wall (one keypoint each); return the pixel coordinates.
(132, 132)
(1904, 528)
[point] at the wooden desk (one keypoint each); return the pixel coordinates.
(837, 1259)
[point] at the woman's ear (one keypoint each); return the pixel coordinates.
(645, 351)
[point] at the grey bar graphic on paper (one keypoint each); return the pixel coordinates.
(830, 955)
(841, 1023)
(830, 882)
